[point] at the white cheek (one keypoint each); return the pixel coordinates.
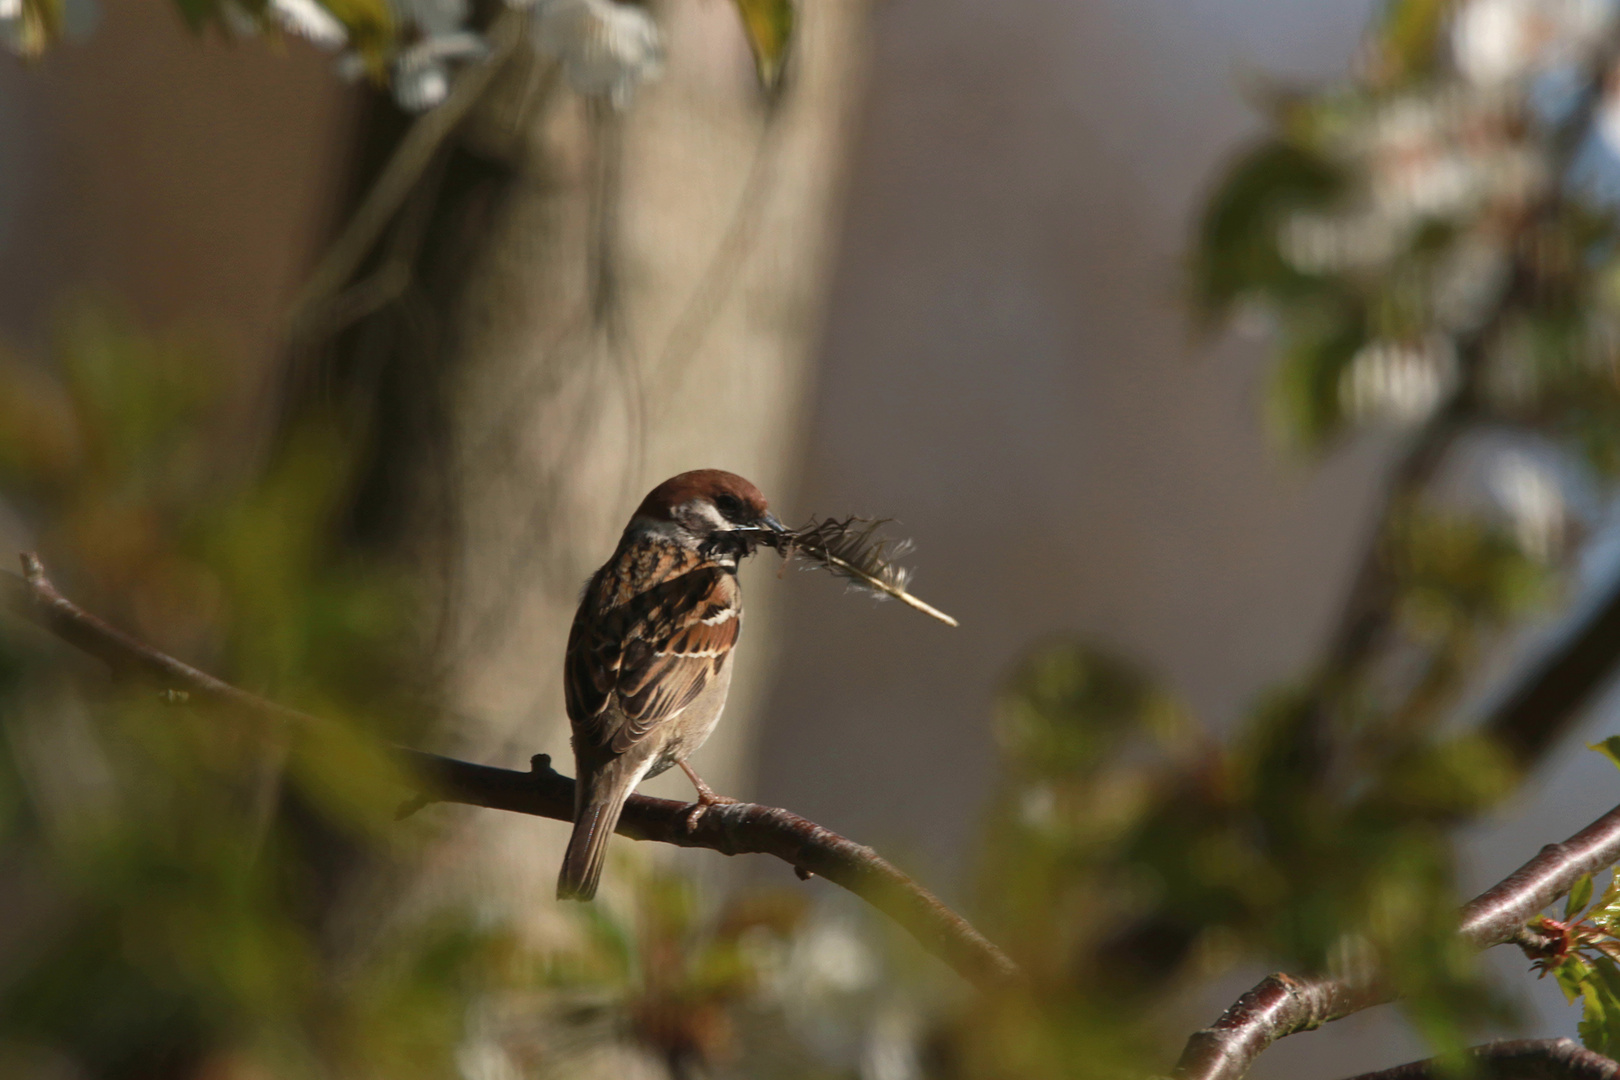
(704, 509)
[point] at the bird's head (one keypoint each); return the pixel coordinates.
(716, 511)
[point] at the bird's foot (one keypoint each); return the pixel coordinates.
(706, 797)
(705, 800)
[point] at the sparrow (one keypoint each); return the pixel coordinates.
(649, 655)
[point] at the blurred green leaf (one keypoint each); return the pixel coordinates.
(1237, 255)
(1069, 705)
(1605, 913)
(1600, 1011)
(371, 27)
(1572, 973)
(1305, 404)
(1409, 38)
(769, 25)
(1580, 894)
(1609, 748)
(1457, 571)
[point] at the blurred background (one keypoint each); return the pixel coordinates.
(1244, 372)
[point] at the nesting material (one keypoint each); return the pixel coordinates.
(856, 550)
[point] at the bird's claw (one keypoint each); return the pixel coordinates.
(701, 807)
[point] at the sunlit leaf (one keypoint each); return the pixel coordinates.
(1580, 894)
(1600, 1011)
(769, 25)
(1605, 913)
(1572, 974)
(1609, 748)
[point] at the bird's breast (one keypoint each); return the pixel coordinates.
(690, 728)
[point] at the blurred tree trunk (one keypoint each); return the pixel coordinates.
(598, 299)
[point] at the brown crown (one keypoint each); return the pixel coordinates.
(700, 483)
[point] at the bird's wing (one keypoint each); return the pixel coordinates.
(642, 661)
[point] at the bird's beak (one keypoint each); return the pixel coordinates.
(770, 522)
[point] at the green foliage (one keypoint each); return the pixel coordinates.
(769, 25)
(1583, 962)
(1237, 256)
(1609, 748)
(188, 861)
(1459, 574)
(1128, 853)
(1305, 406)
(1409, 39)
(1433, 255)
(209, 885)
(211, 894)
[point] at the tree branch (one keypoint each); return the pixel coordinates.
(414, 154)
(1283, 1005)
(1527, 721)
(1367, 610)
(1532, 716)
(731, 829)
(1521, 1059)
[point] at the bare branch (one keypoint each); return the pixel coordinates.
(1549, 696)
(731, 829)
(1495, 916)
(415, 153)
(1283, 1005)
(1280, 1005)
(739, 829)
(1521, 1059)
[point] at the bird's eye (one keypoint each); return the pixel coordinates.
(729, 505)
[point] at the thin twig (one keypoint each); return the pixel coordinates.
(415, 153)
(731, 829)
(1284, 1005)
(1519, 1059)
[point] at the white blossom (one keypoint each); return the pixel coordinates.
(1399, 381)
(1320, 243)
(308, 19)
(1503, 41)
(890, 1050)
(1442, 155)
(605, 47)
(1037, 807)
(421, 74)
(1532, 494)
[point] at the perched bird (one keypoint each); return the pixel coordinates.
(649, 655)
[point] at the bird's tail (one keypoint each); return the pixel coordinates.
(599, 797)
